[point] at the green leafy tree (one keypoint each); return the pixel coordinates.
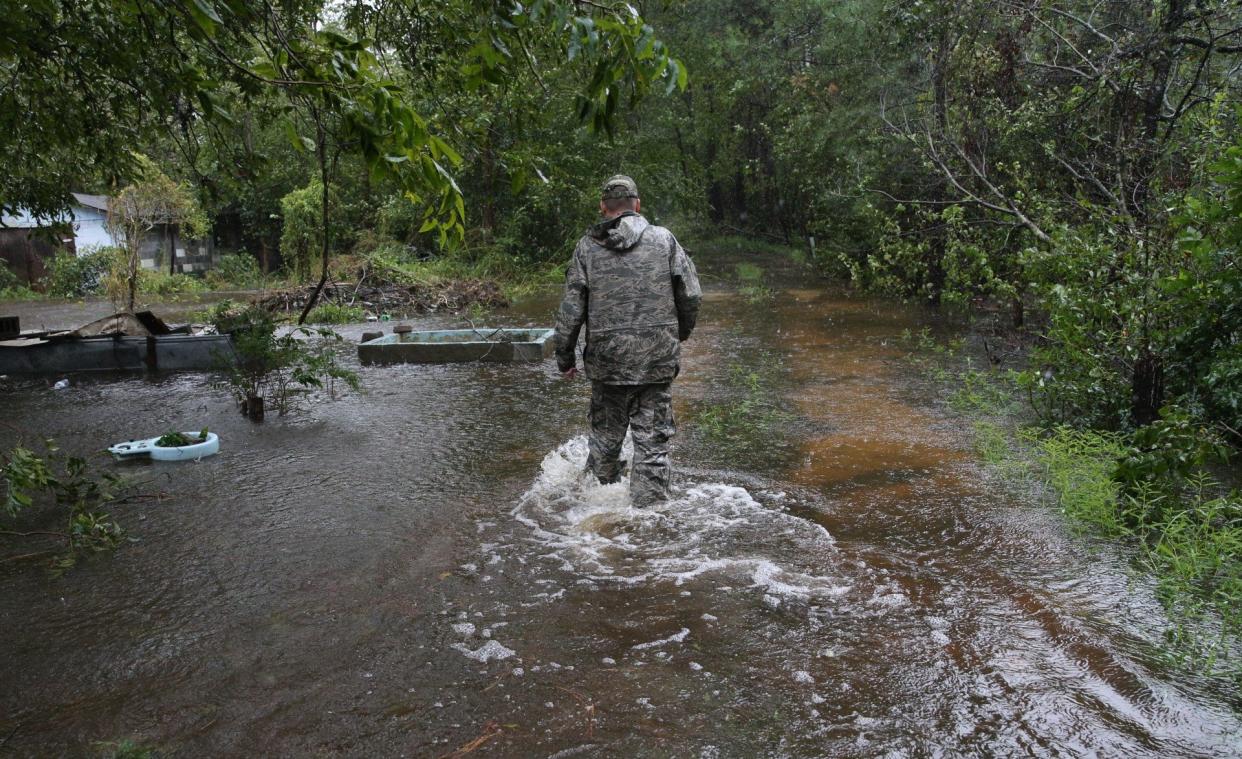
(135, 211)
(333, 88)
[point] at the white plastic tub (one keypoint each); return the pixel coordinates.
(148, 447)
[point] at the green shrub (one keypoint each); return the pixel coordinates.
(1196, 552)
(11, 287)
(280, 367)
(301, 237)
(393, 261)
(399, 219)
(235, 270)
(70, 276)
(8, 280)
(749, 416)
(162, 283)
(1165, 455)
(124, 749)
(755, 294)
(1191, 539)
(219, 314)
(332, 313)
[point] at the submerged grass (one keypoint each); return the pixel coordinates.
(750, 278)
(749, 420)
(124, 749)
(1078, 466)
(767, 249)
(1191, 546)
(1187, 537)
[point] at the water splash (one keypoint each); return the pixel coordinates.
(711, 529)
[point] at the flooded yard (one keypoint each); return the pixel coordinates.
(420, 569)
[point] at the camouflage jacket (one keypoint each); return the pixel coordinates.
(634, 289)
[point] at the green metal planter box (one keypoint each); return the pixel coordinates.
(454, 345)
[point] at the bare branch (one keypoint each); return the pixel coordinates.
(1084, 24)
(1210, 45)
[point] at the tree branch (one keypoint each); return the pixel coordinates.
(33, 533)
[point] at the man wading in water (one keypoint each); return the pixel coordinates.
(635, 289)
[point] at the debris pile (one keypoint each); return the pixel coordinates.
(392, 298)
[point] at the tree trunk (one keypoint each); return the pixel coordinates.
(322, 153)
(489, 193)
(1147, 389)
(1018, 312)
(131, 274)
(172, 248)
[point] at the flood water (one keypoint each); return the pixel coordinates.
(421, 570)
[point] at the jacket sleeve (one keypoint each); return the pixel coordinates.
(686, 291)
(572, 313)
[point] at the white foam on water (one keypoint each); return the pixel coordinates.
(707, 529)
(676, 637)
(485, 653)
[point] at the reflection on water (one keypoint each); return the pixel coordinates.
(423, 567)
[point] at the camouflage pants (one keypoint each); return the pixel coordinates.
(647, 410)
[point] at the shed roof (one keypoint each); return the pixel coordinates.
(21, 218)
(98, 202)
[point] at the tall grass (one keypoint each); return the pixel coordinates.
(1187, 535)
(1078, 465)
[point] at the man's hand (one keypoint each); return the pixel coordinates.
(570, 373)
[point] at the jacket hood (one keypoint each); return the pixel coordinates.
(621, 232)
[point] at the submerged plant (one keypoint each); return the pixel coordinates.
(124, 749)
(756, 294)
(178, 439)
(280, 368)
(62, 485)
(749, 418)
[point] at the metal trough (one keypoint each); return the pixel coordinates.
(55, 355)
(454, 345)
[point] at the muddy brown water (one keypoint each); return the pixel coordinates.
(419, 570)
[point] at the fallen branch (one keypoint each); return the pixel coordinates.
(490, 731)
(391, 297)
(32, 533)
(589, 708)
(19, 557)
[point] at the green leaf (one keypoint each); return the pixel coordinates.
(297, 141)
(208, 10)
(265, 69)
(204, 16)
(447, 150)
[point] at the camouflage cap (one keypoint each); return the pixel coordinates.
(619, 186)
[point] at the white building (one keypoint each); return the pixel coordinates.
(25, 240)
(86, 219)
